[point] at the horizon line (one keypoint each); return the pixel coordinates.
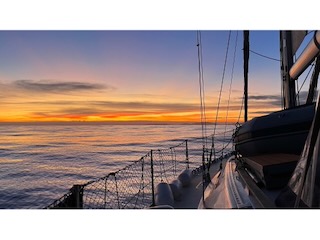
(112, 123)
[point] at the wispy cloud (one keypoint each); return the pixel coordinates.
(57, 86)
(276, 100)
(99, 107)
(146, 105)
(265, 97)
(265, 100)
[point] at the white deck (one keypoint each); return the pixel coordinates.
(192, 194)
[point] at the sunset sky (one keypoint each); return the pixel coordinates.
(132, 75)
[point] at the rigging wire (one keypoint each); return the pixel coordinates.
(201, 88)
(221, 86)
(297, 95)
(230, 87)
(264, 56)
(202, 110)
(282, 93)
(311, 68)
(240, 112)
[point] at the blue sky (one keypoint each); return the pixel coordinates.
(136, 75)
(87, 75)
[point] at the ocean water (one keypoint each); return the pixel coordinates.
(40, 163)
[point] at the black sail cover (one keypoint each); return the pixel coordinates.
(305, 181)
(303, 189)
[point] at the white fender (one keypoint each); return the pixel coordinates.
(185, 177)
(163, 195)
(176, 189)
(162, 207)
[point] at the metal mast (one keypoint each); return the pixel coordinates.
(246, 48)
(289, 88)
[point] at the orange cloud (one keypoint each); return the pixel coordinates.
(53, 100)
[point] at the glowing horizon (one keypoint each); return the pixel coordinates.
(128, 76)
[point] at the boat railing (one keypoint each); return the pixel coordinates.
(133, 187)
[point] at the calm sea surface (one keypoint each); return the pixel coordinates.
(40, 163)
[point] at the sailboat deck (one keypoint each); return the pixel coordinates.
(192, 194)
(274, 170)
(273, 159)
